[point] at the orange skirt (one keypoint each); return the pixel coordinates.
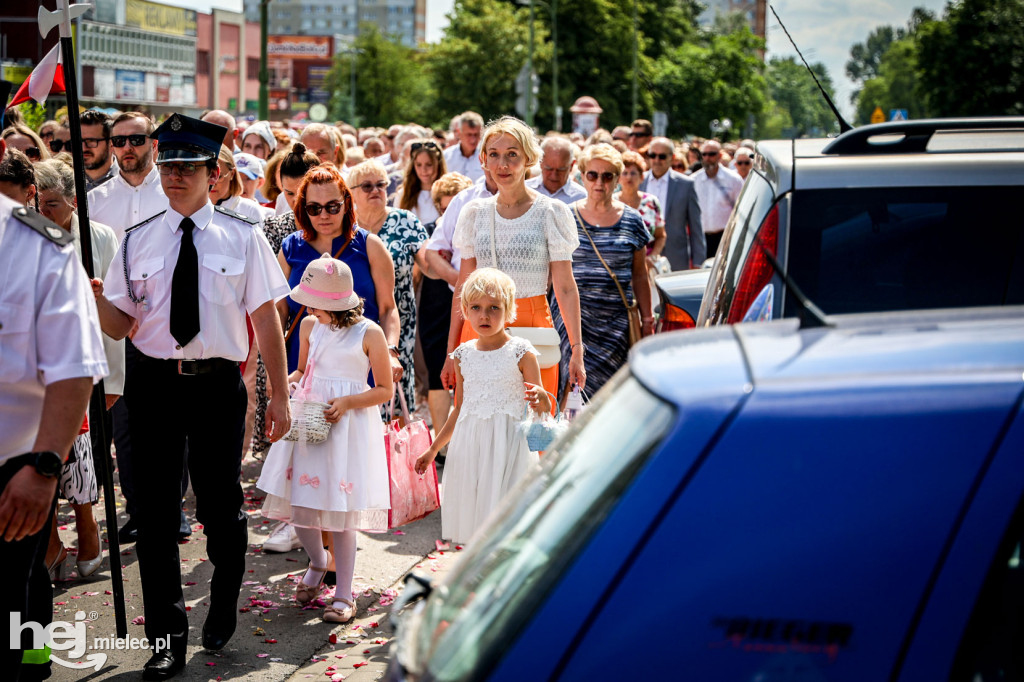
(530, 312)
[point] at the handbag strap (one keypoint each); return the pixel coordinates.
(611, 274)
(494, 219)
(401, 401)
(302, 310)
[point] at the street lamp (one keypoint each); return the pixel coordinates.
(264, 105)
(556, 113)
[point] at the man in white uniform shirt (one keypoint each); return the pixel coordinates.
(556, 164)
(188, 276)
(717, 188)
(464, 157)
(47, 369)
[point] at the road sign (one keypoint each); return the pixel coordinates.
(898, 115)
(521, 105)
(660, 123)
(318, 112)
(878, 116)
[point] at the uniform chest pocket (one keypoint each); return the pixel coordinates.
(220, 278)
(15, 333)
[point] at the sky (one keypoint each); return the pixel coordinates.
(825, 30)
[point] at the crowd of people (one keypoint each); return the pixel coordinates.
(480, 270)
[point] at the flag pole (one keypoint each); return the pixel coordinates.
(98, 406)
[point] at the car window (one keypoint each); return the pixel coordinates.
(472, 617)
(753, 204)
(905, 248)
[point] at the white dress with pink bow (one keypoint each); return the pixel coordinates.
(341, 483)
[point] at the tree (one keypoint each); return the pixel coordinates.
(390, 85)
(475, 64)
(896, 85)
(721, 78)
(970, 63)
(797, 107)
(865, 57)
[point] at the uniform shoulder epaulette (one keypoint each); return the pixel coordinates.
(234, 214)
(43, 226)
(147, 220)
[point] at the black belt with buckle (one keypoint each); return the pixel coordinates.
(193, 367)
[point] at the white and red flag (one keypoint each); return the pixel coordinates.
(45, 80)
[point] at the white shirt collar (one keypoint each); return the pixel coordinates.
(200, 218)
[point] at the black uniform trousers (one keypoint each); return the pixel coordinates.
(27, 591)
(206, 412)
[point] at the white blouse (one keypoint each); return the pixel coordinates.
(523, 247)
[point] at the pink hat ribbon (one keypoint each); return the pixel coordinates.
(325, 294)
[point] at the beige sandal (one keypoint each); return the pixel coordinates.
(335, 615)
(306, 593)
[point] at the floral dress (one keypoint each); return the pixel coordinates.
(276, 228)
(650, 211)
(403, 234)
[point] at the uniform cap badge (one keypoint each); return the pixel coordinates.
(175, 124)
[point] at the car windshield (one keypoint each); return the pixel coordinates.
(476, 612)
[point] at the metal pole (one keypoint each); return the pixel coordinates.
(352, 86)
(634, 117)
(101, 460)
(264, 109)
(529, 83)
(554, 66)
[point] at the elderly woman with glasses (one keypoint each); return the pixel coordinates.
(612, 233)
(403, 234)
(633, 169)
(325, 216)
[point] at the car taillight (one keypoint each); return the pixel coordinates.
(757, 270)
(673, 318)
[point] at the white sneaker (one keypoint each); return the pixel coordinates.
(283, 539)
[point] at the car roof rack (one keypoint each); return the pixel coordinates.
(908, 137)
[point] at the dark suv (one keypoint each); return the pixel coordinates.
(896, 216)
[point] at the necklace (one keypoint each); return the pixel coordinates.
(514, 203)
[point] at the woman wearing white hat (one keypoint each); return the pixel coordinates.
(258, 140)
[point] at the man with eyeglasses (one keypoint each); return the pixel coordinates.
(640, 135)
(717, 189)
(464, 157)
(187, 277)
(684, 234)
(99, 163)
(556, 164)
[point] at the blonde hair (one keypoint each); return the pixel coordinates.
(510, 125)
(366, 169)
(235, 185)
(490, 282)
(448, 185)
(601, 152)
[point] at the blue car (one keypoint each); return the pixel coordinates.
(760, 502)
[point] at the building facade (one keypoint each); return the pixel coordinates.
(404, 19)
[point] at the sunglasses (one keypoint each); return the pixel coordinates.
(332, 207)
(93, 142)
(184, 168)
(639, 134)
(57, 145)
(679, 166)
(133, 140)
(742, 163)
(371, 187)
(709, 154)
(33, 153)
(661, 157)
(429, 145)
(606, 176)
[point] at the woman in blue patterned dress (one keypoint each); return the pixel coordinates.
(402, 234)
(621, 237)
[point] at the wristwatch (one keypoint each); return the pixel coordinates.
(394, 349)
(47, 463)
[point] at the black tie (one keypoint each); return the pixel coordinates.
(185, 288)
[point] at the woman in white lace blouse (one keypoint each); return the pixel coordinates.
(526, 235)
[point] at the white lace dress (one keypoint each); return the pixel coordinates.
(488, 453)
(342, 483)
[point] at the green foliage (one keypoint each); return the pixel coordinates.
(390, 86)
(721, 78)
(797, 107)
(866, 57)
(972, 62)
(33, 113)
(896, 86)
(475, 64)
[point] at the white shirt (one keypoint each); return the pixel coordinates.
(119, 205)
(426, 211)
(444, 231)
(524, 247)
(467, 165)
(659, 188)
(281, 205)
(49, 329)
(104, 248)
(716, 197)
(568, 193)
(237, 274)
(247, 207)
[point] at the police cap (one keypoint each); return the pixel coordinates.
(183, 138)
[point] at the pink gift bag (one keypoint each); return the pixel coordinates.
(412, 496)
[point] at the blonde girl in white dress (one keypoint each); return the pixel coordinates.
(340, 485)
(496, 376)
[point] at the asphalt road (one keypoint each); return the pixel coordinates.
(275, 638)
